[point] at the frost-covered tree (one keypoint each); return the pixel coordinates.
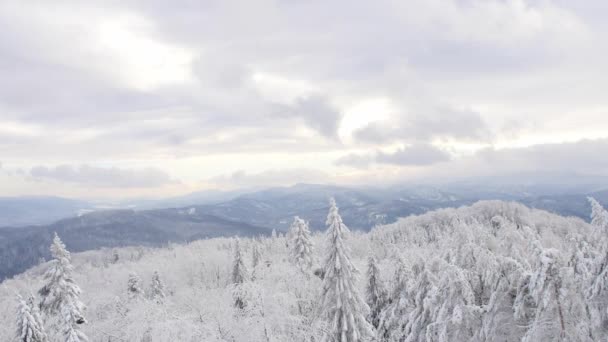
(375, 293)
(115, 256)
(599, 215)
(239, 270)
(157, 289)
(60, 294)
(256, 256)
(301, 245)
(559, 310)
(239, 275)
(341, 303)
(135, 290)
(29, 324)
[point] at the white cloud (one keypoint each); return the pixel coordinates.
(170, 84)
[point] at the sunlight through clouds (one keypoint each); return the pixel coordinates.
(142, 61)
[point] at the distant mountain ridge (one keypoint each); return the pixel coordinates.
(37, 210)
(257, 213)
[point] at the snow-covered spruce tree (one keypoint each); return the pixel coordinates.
(375, 293)
(256, 256)
(134, 288)
(301, 245)
(29, 324)
(341, 303)
(157, 290)
(239, 276)
(599, 215)
(61, 295)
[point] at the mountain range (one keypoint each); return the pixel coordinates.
(245, 214)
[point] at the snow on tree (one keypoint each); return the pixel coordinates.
(599, 215)
(559, 310)
(301, 245)
(115, 256)
(256, 256)
(61, 295)
(455, 316)
(239, 270)
(375, 293)
(341, 303)
(135, 290)
(157, 290)
(29, 324)
(410, 313)
(239, 276)
(597, 296)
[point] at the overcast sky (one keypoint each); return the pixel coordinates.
(127, 98)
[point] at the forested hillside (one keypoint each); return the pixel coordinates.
(493, 271)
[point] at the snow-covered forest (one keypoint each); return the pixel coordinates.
(493, 271)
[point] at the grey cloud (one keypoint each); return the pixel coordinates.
(103, 177)
(421, 154)
(414, 155)
(360, 161)
(425, 125)
(317, 113)
(584, 156)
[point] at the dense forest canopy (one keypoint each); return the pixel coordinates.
(493, 271)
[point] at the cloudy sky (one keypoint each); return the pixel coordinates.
(111, 99)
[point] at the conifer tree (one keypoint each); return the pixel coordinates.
(599, 215)
(301, 244)
(341, 303)
(239, 275)
(157, 292)
(256, 256)
(29, 324)
(61, 295)
(375, 294)
(134, 287)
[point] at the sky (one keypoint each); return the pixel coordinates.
(134, 98)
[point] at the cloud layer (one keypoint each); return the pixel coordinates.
(105, 177)
(146, 92)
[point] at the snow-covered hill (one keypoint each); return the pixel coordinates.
(493, 271)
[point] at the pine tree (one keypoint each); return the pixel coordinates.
(157, 291)
(256, 256)
(375, 294)
(115, 256)
(341, 303)
(134, 288)
(301, 245)
(599, 215)
(239, 275)
(29, 323)
(61, 295)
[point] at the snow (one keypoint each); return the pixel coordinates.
(493, 271)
